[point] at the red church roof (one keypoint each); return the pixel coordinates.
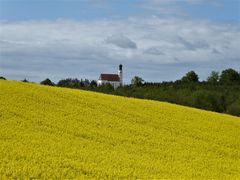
(109, 77)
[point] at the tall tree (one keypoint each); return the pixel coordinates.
(137, 81)
(230, 76)
(191, 76)
(213, 77)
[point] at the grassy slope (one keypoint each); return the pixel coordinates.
(64, 133)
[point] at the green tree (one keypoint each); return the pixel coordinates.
(25, 80)
(209, 100)
(47, 82)
(86, 83)
(190, 77)
(106, 88)
(93, 84)
(229, 76)
(137, 81)
(3, 78)
(71, 83)
(213, 77)
(234, 108)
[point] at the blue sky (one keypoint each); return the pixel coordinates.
(77, 10)
(15, 10)
(155, 39)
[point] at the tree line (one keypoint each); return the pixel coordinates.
(220, 92)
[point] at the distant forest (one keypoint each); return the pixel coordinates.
(219, 93)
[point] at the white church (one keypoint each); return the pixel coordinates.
(115, 80)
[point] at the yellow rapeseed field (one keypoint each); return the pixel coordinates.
(58, 133)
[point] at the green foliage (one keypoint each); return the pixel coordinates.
(213, 97)
(106, 88)
(47, 82)
(25, 80)
(190, 77)
(71, 83)
(230, 76)
(93, 84)
(137, 81)
(213, 77)
(3, 78)
(86, 83)
(234, 108)
(78, 84)
(209, 100)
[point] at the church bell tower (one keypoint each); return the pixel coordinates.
(120, 74)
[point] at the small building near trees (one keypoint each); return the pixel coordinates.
(115, 80)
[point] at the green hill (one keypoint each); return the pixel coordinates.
(48, 132)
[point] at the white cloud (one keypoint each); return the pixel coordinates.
(148, 47)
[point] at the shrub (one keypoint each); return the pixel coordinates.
(234, 109)
(47, 82)
(25, 80)
(209, 101)
(71, 83)
(107, 88)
